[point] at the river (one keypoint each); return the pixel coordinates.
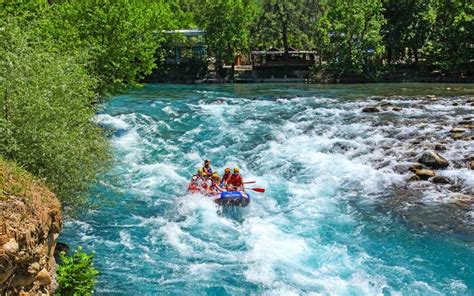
(321, 228)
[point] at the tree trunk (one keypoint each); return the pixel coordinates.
(285, 40)
(415, 53)
(232, 72)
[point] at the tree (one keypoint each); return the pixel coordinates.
(349, 32)
(45, 115)
(286, 23)
(226, 25)
(449, 47)
(409, 25)
(120, 37)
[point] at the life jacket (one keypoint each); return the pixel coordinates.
(207, 170)
(225, 177)
(235, 180)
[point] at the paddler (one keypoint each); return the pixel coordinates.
(225, 177)
(236, 180)
(216, 181)
(207, 167)
(197, 176)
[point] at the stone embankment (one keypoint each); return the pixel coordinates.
(30, 222)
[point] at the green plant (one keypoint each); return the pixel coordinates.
(76, 274)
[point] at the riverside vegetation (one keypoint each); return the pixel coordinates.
(60, 59)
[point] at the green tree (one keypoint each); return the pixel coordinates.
(409, 25)
(285, 23)
(350, 36)
(226, 25)
(120, 37)
(45, 115)
(449, 47)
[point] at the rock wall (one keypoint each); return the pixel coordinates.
(30, 222)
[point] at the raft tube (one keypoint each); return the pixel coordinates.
(233, 198)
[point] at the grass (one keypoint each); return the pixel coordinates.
(15, 181)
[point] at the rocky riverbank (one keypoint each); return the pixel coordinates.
(30, 222)
(431, 144)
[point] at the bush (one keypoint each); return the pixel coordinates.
(76, 274)
(46, 111)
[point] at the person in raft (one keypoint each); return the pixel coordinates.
(215, 185)
(225, 177)
(236, 180)
(207, 167)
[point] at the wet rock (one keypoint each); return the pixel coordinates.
(397, 109)
(463, 201)
(433, 160)
(457, 130)
(442, 180)
(415, 167)
(425, 174)
(471, 164)
(370, 110)
(440, 147)
(386, 104)
(455, 104)
(457, 136)
(414, 178)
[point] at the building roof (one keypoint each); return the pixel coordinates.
(264, 52)
(186, 32)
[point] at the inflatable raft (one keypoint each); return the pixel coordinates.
(226, 198)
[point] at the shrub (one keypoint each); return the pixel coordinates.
(46, 115)
(76, 274)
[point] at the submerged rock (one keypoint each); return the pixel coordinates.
(433, 160)
(425, 174)
(442, 180)
(370, 110)
(440, 147)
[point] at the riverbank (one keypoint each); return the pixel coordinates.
(30, 222)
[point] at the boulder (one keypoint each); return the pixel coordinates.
(370, 110)
(433, 160)
(441, 180)
(414, 178)
(471, 164)
(415, 167)
(11, 246)
(43, 277)
(457, 136)
(457, 130)
(440, 147)
(424, 174)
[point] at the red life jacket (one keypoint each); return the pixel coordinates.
(226, 177)
(235, 180)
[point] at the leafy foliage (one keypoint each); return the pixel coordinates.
(351, 39)
(76, 274)
(120, 37)
(226, 25)
(45, 116)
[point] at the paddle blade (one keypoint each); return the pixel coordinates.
(262, 190)
(250, 182)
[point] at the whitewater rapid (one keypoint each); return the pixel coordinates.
(319, 229)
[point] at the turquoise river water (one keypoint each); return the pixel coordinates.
(315, 231)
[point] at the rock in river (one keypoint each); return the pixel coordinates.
(433, 160)
(370, 110)
(441, 180)
(425, 174)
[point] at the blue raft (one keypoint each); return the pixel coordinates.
(233, 199)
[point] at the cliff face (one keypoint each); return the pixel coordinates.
(30, 221)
